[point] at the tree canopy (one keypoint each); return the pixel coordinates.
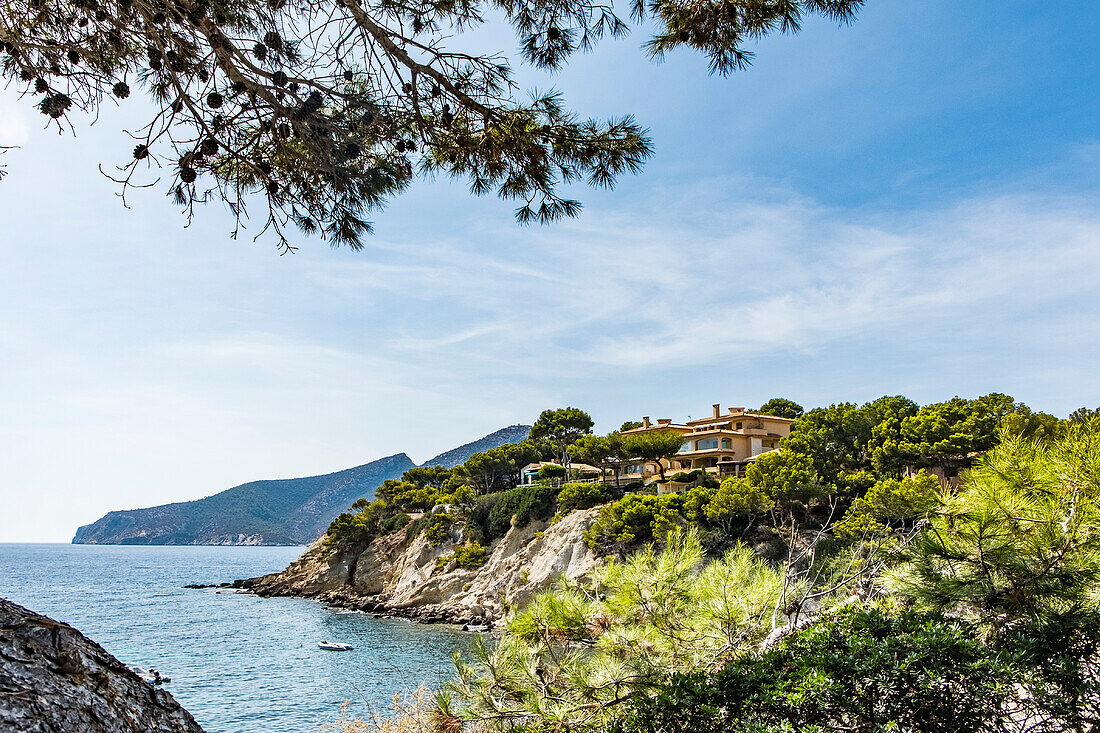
(317, 112)
(561, 428)
(782, 407)
(653, 445)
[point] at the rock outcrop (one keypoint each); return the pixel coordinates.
(400, 577)
(53, 679)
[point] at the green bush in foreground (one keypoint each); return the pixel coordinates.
(574, 654)
(862, 670)
(1020, 539)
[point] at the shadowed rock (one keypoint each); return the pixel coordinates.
(53, 679)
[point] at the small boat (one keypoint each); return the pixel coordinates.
(333, 646)
(476, 627)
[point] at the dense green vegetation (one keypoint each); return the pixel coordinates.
(874, 466)
(480, 500)
(969, 606)
(891, 568)
(864, 472)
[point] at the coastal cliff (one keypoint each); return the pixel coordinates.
(53, 679)
(398, 576)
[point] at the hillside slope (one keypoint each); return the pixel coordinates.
(400, 576)
(456, 456)
(275, 512)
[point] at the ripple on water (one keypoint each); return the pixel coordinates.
(239, 663)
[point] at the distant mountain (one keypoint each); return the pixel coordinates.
(455, 456)
(277, 512)
(280, 512)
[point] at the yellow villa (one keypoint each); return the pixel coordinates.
(722, 444)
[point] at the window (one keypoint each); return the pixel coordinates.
(706, 444)
(685, 447)
(738, 426)
(727, 443)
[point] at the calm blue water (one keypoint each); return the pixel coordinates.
(238, 663)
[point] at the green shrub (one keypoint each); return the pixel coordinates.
(551, 471)
(470, 555)
(890, 502)
(479, 514)
(349, 530)
(1060, 659)
(438, 529)
(416, 526)
(581, 496)
(633, 520)
(697, 477)
(859, 671)
(524, 503)
(393, 524)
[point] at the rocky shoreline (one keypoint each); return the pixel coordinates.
(53, 678)
(409, 578)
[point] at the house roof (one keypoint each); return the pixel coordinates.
(574, 466)
(737, 415)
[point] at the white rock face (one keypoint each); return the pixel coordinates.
(397, 576)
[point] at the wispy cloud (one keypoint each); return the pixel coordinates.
(726, 276)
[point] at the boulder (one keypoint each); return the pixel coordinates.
(53, 679)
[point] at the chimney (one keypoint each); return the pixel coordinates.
(717, 410)
(645, 422)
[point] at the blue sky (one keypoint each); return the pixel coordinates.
(907, 205)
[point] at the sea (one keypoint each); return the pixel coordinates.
(238, 663)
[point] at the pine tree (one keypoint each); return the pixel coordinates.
(322, 110)
(1021, 539)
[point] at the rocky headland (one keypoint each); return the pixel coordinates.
(271, 512)
(53, 679)
(410, 578)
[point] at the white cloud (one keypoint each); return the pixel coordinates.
(173, 376)
(723, 276)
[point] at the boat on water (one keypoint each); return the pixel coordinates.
(151, 676)
(334, 646)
